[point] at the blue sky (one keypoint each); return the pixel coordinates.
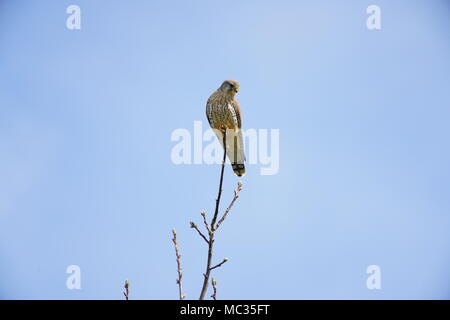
(86, 176)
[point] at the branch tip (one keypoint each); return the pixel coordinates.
(214, 283)
(178, 256)
(126, 292)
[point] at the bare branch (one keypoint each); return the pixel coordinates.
(213, 222)
(126, 293)
(214, 295)
(180, 273)
(212, 227)
(236, 195)
(203, 213)
(219, 264)
(194, 226)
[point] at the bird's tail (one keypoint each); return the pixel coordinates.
(235, 150)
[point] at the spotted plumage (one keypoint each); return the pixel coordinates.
(224, 115)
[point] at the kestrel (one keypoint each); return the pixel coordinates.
(224, 115)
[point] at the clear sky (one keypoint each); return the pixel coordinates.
(86, 176)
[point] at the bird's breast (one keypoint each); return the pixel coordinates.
(221, 114)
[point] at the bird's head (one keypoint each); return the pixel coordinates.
(230, 87)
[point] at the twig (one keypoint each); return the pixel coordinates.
(219, 264)
(236, 195)
(194, 226)
(178, 255)
(213, 222)
(126, 293)
(203, 213)
(214, 295)
(216, 211)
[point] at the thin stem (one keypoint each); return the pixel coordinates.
(219, 264)
(236, 195)
(214, 283)
(180, 273)
(194, 226)
(126, 293)
(203, 213)
(216, 211)
(213, 222)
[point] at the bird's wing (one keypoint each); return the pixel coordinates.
(240, 140)
(208, 110)
(237, 110)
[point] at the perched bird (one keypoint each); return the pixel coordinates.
(224, 116)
